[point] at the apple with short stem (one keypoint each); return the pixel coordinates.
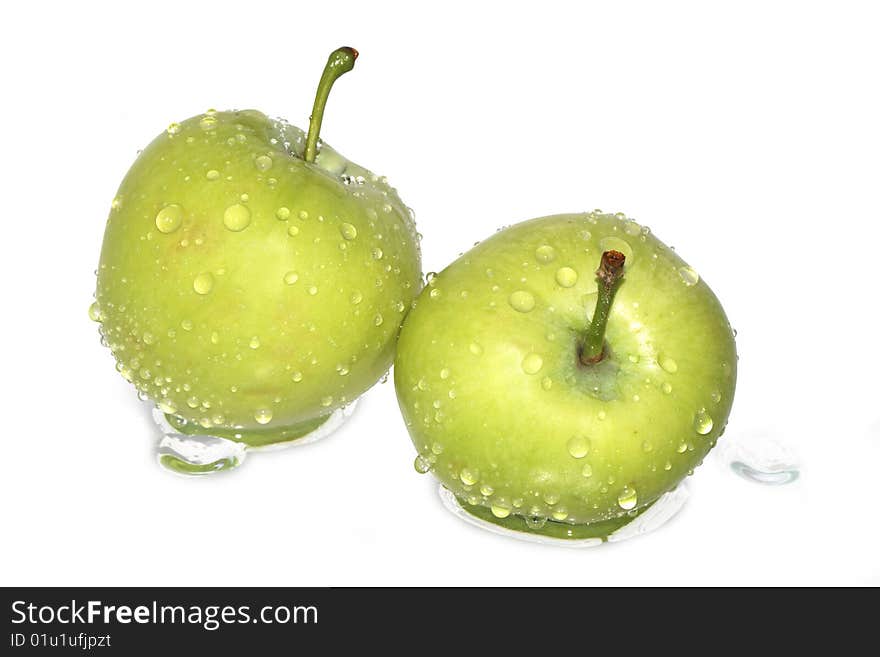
(252, 280)
(553, 400)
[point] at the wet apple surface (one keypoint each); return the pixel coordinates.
(506, 410)
(248, 287)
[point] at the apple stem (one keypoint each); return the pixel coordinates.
(610, 273)
(341, 61)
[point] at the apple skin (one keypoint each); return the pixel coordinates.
(272, 290)
(503, 413)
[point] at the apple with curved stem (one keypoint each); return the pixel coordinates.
(550, 399)
(252, 280)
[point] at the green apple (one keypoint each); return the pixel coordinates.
(552, 399)
(251, 280)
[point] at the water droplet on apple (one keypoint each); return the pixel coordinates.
(356, 297)
(215, 338)
(716, 397)
(522, 301)
(500, 511)
(95, 312)
(632, 228)
(313, 290)
(688, 275)
(293, 230)
(148, 338)
(435, 293)
(263, 163)
(422, 465)
(444, 373)
(348, 231)
(559, 514)
(283, 214)
(291, 277)
(551, 498)
(212, 174)
(203, 284)
(167, 406)
(628, 498)
(186, 325)
(566, 276)
(587, 470)
(169, 218)
(682, 448)
(468, 477)
(535, 522)
(254, 342)
(236, 217)
(532, 363)
(666, 388)
(545, 254)
(578, 446)
(437, 448)
(263, 415)
(326, 401)
(546, 383)
(486, 490)
(297, 377)
(173, 129)
(208, 122)
(668, 364)
(378, 319)
(377, 253)
(703, 422)
(647, 446)
(303, 215)
(475, 349)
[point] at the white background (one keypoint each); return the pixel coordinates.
(744, 134)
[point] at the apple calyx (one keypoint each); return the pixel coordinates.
(340, 62)
(609, 275)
